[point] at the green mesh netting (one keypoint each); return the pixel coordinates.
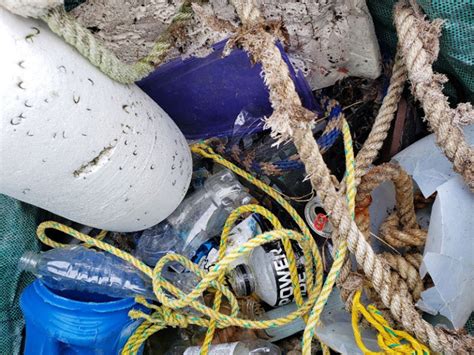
(456, 44)
(470, 324)
(18, 222)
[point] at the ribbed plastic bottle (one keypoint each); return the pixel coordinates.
(198, 218)
(85, 270)
(268, 274)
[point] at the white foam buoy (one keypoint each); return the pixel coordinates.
(76, 143)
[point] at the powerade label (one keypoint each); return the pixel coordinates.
(281, 270)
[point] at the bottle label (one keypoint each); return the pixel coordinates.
(206, 256)
(281, 270)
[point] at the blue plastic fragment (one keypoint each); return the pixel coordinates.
(204, 96)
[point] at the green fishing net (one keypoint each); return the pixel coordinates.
(18, 222)
(456, 58)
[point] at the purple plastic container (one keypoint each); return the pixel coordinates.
(204, 96)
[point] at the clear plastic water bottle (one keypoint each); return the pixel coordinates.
(268, 274)
(244, 347)
(198, 218)
(85, 270)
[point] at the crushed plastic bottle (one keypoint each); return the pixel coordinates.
(200, 217)
(85, 270)
(245, 347)
(268, 274)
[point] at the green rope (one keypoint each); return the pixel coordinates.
(67, 27)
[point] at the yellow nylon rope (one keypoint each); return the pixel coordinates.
(170, 312)
(341, 251)
(390, 341)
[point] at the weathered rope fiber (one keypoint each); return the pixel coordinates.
(383, 120)
(375, 267)
(419, 46)
(403, 195)
(406, 269)
(405, 215)
(370, 150)
(290, 120)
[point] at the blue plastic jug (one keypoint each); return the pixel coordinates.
(66, 323)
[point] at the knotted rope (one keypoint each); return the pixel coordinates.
(405, 267)
(291, 121)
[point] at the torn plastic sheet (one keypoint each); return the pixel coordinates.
(448, 255)
(426, 163)
(335, 329)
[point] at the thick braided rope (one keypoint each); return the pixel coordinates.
(405, 216)
(403, 195)
(419, 44)
(375, 268)
(67, 27)
(290, 120)
(382, 121)
(375, 140)
(398, 238)
(340, 255)
(407, 271)
(405, 212)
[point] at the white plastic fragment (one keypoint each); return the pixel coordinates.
(76, 143)
(449, 248)
(448, 256)
(335, 329)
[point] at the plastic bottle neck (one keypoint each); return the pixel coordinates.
(29, 261)
(242, 280)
